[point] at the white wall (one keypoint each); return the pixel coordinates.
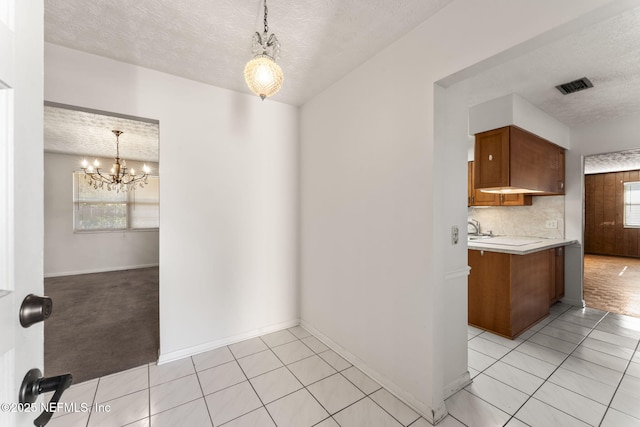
(512, 109)
(228, 196)
(66, 252)
(383, 177)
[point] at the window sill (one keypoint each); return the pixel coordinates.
(123, 230)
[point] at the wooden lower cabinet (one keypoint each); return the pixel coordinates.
(510, 293)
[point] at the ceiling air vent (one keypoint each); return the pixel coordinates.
(574, 86)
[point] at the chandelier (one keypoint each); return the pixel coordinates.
(263, 76)
(120, 178)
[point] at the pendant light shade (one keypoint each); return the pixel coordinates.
(263, 76)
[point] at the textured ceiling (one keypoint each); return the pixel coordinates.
(89, 134)
(608, 53)
(613, 162)
(322, 40)
(210, 41)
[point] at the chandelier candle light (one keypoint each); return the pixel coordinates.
(264, 77)
(120, 178)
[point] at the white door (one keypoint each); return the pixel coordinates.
(21, 198)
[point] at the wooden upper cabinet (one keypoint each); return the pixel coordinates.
(479, 198)
(510, 157)
(491, 159)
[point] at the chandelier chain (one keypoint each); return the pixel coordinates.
(266, 25)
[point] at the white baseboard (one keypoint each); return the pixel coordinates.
(456, 385)
(431, 414)
(574, 302)
(99, 270)
(212, 345)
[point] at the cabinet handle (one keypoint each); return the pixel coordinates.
(561, 185)
(490, 157)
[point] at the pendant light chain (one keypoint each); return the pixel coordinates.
(266, 25)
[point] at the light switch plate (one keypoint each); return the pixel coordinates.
(454, 235)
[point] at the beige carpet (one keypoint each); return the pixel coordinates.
(101, 323)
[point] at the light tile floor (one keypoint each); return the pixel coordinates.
(287, 379)
(578, 367)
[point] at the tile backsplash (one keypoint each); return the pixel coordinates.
(522, 220)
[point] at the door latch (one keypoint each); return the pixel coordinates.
(34, 384)
(35, 309)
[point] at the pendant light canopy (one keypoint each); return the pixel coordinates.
(263, 76)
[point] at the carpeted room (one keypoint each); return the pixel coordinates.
(101, 247)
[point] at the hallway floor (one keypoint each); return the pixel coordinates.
(575, 368)
(612, 284)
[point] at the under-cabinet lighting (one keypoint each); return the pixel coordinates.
(509, 190)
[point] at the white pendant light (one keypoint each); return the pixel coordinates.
(263, 76)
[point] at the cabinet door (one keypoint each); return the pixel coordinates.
(515, 199)
(561, 171)
(485, 199)
(535, 162)
(492, 159)
(477, 197)
(489, 282)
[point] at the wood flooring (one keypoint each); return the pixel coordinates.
(612, 284)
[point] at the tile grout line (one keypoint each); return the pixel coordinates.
(251, 384)
(338, 372)
(530, 396)
(618, 386)
(366, 395)
(558, 367)
(206, 405)
(95, 393)
(148, 391)
(294, 375)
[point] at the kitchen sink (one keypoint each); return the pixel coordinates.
(479, 237)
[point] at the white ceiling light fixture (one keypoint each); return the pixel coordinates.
(264, 77)
(120, 178)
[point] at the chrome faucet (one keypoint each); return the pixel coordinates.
(475, 224)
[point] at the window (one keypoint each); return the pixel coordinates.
(99, 209)
(632, 204)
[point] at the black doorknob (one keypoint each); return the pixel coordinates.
(34, 384)
(35, 309)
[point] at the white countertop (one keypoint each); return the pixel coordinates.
(517, 245)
